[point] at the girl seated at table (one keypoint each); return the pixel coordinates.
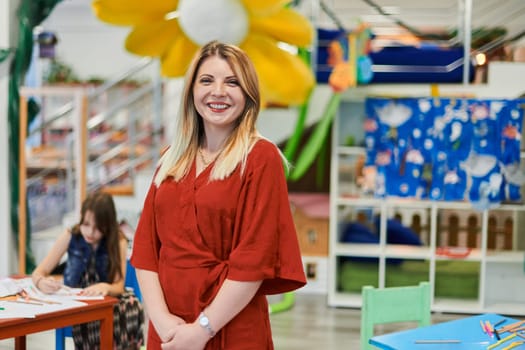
(96, 262)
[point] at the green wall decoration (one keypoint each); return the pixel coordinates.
(316, 142)
(30, 14)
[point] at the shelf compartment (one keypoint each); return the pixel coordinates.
(410, 203)
(375, 250)
(473, 255)
(506, 256)
(407, 251)
(453, 279)
(357, 249)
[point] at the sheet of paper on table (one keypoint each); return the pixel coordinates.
(74, 293)
(36, 302)
(64, 293)
(20, 308)
(9, 286)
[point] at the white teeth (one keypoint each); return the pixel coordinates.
(218, 106)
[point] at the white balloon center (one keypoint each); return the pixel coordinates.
(205, 20)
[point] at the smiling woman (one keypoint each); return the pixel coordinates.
(173, 31)
(217, 217)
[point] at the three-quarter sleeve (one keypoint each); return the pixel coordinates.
(146, 244)
(265, 241)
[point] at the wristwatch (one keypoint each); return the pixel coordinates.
(204, 322)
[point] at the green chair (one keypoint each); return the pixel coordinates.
(393, 304)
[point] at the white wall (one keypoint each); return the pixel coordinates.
(278, 124)
(7, 39)
(92, 47)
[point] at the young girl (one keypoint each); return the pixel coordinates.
(96, 262)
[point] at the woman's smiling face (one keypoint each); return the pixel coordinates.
(217, 94)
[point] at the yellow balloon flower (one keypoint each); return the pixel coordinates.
(173, 30)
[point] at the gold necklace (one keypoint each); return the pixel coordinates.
(203, 158)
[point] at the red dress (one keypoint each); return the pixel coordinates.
(195, 234)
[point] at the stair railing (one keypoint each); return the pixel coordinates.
(114, 129)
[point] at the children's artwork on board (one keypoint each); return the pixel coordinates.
(511, 116)
(471, 146)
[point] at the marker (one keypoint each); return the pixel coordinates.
(499, 342)
(489, 328)
(2, 308)
(482, 326)
(499, 322)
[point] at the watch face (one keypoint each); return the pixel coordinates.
(204, 321)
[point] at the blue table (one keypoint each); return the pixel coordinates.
(465, 333)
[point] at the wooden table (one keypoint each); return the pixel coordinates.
(94, 310)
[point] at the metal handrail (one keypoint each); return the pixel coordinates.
(150, 88)
(417, 68)
(68, 107)
(99, 118)
(123, 169)
(142, 64)
(60, 112)
(118, 149)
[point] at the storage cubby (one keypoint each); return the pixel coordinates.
(471, 257)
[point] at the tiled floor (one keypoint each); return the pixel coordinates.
(310, 324)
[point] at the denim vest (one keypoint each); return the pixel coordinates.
(79, 254)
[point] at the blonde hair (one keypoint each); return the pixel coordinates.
(189, 131)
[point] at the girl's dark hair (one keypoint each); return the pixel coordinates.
(103, 208)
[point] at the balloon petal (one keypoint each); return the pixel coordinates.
(121, 18)
(264, 7)
(159, 6)
(178, 58)
(132, 12)
(126, 18)
(285, 25)
(284, 78)
(152, 39)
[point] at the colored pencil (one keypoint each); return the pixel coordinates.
(24, 302)
(438, 341)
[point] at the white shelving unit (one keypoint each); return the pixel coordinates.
(501, 272)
